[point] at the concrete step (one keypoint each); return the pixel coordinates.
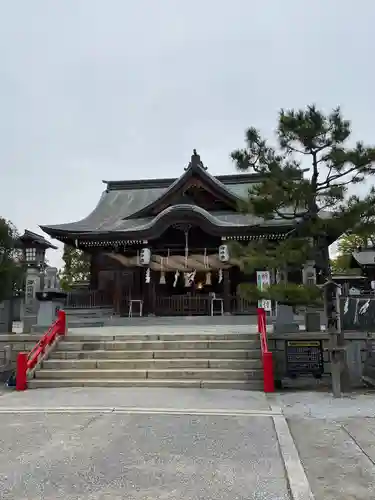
(86, 322)
(168, 373)
(172, 336)
(89, 312)
(249, 385)
(167, 354)
(159, 345)
(150, 364)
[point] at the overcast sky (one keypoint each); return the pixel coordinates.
(124, 89)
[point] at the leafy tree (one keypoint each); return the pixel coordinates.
(341, 264)
(11, 268)
(304, 181)
(76, 267)
(347, 244)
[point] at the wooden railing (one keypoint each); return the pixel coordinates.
(85, 299)
(182, 305)
(28, 362)
(268, 378)
(164, 305)
(242, 306)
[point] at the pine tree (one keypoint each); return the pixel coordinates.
(305, 181)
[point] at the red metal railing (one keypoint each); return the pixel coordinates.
(28, 361)
(268, 379)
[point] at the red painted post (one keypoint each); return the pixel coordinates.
(61, 316)
(259, 314)
(21, 371)
(268, 382)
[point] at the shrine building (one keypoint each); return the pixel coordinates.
(160, 245)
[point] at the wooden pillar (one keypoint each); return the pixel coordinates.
(117, 292)
(93, 272)
(226, 291)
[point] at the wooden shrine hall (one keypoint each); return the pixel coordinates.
(159, 246)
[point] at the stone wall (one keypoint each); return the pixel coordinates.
(357, 354)
(5, 363)
(18, 342)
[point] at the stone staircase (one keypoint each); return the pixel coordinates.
(89, 317)
(207, 359)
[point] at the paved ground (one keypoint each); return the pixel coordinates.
(110, 456)
(336, 442)
(191, 444)
(139, 444)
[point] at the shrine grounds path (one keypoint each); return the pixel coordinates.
(90, 443)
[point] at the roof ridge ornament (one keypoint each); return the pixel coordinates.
(195, 161)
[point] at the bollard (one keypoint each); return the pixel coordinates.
(21, 371)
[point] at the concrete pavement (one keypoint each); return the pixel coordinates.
(335, 439)
(143, 444)
(113, 456)
(186, 444)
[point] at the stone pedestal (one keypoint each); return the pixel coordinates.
(284, 321)
(50, 302)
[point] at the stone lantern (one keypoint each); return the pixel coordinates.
(33, 247)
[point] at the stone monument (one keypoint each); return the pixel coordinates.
(51, 300)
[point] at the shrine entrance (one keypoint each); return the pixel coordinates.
(182, 275)
(190, 294)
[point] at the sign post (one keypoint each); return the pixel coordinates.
(304, 357)
(263, 282)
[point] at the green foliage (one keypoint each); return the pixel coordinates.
(341, 265)
(266, 254)
(12, 271)
(76, 267)
(304, 183)
(285, 293)
(347, 244)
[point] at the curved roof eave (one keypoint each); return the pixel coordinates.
(178, 183)
(155, 227)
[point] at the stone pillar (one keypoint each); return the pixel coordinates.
(284, 317)
(312, 316)
(31, 305)
(226, 292)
